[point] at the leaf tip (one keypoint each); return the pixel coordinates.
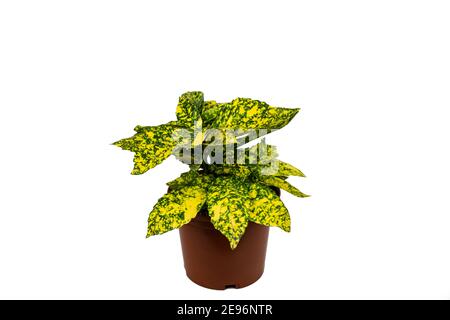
(305, 195)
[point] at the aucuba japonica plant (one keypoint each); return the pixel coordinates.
(233, 182)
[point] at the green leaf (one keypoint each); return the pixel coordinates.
(261, 153)
(187, 140)
(281, 169)
(151, 145)
(266, 208)
(199, 134)
(282, 184)
(258, 156)
(189, 108)
(244, 113)
(190, 178)
(226, 206)
(210, 111)
(241, 171)
(175, 209)
(286, 169)
(251, 159)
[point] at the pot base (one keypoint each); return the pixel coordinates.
(221, 286)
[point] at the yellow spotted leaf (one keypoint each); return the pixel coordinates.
(286, 169)
(241, 171)
(261, 153)
(247, 161)
(189, 108)
(187, 141)
(151, 145)
(210, 111)
(282, 169)
(282, 184)
(245, 113)
(226, 207)
(175, 209)
(266, 208)
(190, 178)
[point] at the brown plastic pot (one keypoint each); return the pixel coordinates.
(209, 260)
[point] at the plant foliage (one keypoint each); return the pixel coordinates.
(232, 194)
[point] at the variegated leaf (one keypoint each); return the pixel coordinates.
(286, 169)
(266, 208)
(210, 111)
(247, 161)
(241, 171)
(175, 209)
(187, 140)
(281, 169)
(226, 206)
(244, 113)
(282, 184)
(190, 178)
(199, 133)
(261, 153)
(189, 108)
(151, 145)
(222, 137)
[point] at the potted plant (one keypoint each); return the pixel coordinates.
(226, 202)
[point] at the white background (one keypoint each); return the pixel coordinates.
(372, 78)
